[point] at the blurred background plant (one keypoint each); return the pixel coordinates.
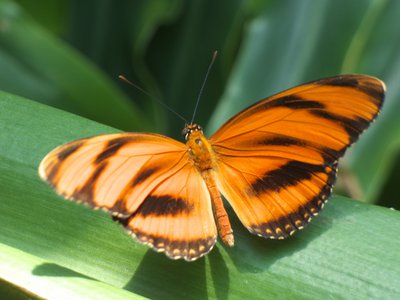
(69, 53)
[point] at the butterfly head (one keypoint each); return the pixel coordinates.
(189, 129)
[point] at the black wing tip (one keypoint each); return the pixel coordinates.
(368, 84)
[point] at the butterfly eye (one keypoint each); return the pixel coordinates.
(185, 133)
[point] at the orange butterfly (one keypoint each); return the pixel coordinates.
(275, 162)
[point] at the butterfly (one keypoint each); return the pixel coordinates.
(275, 163)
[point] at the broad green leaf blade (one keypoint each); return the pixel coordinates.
(349, 251)
(44, 279)
(66, 78)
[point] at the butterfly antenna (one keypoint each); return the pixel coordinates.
(204, 83)
(123, 78)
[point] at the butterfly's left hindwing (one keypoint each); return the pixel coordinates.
(276, 160)
(146, 181)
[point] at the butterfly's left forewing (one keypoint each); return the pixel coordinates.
(276, 160)
(147, 182)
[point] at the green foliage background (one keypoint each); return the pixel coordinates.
(68, 54)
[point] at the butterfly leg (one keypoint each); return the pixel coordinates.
(220, 214)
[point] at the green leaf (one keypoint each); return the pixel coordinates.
(187, 47)
(80, 85)
(49, 245)
(373, 159)
(46, 279)
(51, 14)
